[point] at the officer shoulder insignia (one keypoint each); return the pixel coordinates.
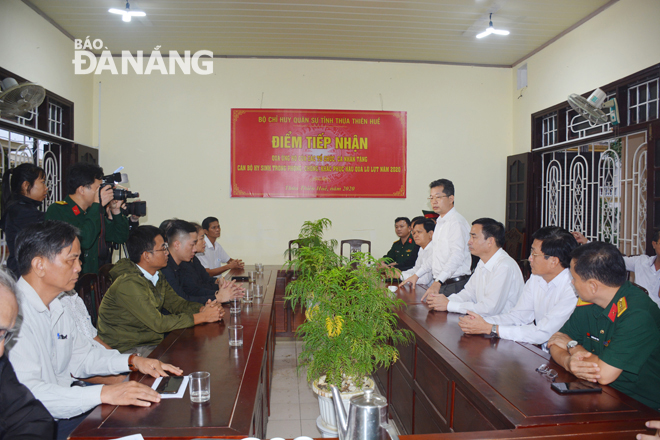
(613, 313)
(582, 303)
(62, 202)
(622, 306)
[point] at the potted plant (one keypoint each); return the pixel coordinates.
(350, 328)
(313, 253)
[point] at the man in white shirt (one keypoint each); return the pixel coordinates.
(548, 298)
(214, 258)
(422, 233)
(49, 352)
(647, 269)
(497, 282)
(450, 264)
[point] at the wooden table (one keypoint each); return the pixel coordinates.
(240, 382)
(451, 382)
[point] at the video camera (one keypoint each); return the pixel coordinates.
(133, 208)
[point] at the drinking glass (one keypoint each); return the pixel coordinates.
(248, 294)
(200, 387)
(235, 335)
(235, 306)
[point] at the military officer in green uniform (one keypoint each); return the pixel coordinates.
(404, 251)
(613, 336)
(93, 212)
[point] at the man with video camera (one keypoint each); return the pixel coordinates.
(84, 209)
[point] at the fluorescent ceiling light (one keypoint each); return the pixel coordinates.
(127, 13)
(491, 30)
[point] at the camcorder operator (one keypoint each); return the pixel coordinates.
(133, 210)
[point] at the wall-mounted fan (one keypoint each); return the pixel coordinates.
(18, 99)
(590, 108)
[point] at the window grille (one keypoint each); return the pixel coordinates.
(577, 127)
(599, 190)
(643, 102)
(30, 119)
(549, 129)
(55, 123)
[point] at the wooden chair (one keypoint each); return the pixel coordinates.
(355, 246)
(298, 244)
(104, 277)
(514, 245)
(640, 287)
(87, 286)
(104, 282)
(514, 242)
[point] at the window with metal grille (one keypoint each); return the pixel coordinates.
(55, 120)
(577, 127)
(549, 129)
(643, 102)
(30, 119)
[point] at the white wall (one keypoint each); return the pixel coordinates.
(34, 49)
(172, 134)
(621, 40)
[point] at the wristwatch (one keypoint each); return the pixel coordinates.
(131, 365)
(493, 331)
(571, 344)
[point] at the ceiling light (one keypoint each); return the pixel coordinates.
(490, 29)
(127, 14)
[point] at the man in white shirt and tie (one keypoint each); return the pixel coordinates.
(422, 233)
(647, 269)
(548, 298)
(450, 265)
(496, 283)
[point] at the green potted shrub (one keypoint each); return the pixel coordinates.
(313, 253)
(350, 328)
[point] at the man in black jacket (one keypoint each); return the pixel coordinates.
(182, 239)
(21, 415)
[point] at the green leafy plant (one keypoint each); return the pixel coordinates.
(351, 327)
(313, 253)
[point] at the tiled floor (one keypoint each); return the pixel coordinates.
(293, 405)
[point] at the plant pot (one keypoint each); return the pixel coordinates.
(327, 406)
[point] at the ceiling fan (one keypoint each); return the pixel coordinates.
(491, 30)
(127, 13)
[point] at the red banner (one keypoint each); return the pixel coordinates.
(318, 153)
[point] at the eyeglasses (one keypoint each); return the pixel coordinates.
(533, 255)
(7, 334)
(164, 248)
(547, 371)
(432, 198)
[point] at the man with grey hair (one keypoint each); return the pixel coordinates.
(21, 415)
(49, 352)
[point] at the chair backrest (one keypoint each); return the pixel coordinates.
(514, 244)
(298, 244)
(640, 287)
(355, 246)
(104, 282)
(87, 286)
